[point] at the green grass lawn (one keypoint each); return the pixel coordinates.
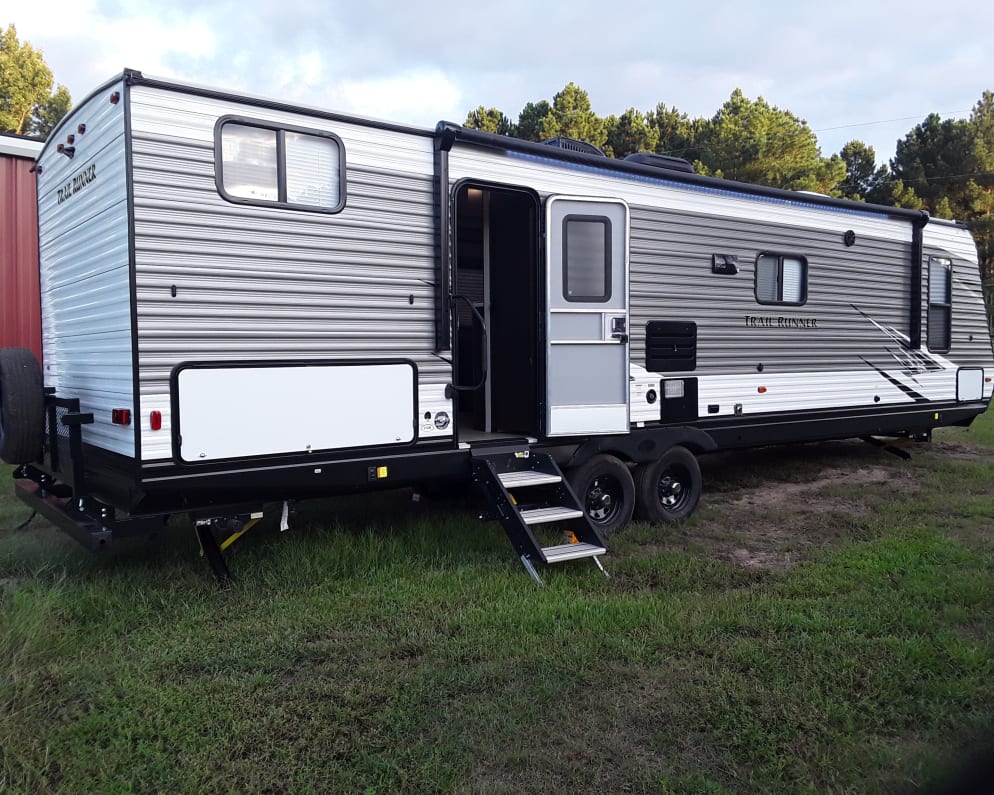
(824, 624)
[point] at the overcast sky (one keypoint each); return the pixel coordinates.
(872, 68)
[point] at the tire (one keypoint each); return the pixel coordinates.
(606, 492)
(22, 406)
(669, 488)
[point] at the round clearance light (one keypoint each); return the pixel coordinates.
(442, 420)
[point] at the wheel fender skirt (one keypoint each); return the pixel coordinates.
(644, 444)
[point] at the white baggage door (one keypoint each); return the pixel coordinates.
(586, 316)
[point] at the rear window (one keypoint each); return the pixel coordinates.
(260, 163)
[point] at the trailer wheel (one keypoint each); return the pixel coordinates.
(669, 488)
(22, 406)
(606, 491)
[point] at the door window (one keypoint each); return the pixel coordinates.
(586, 258)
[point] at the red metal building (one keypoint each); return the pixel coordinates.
(20, 313)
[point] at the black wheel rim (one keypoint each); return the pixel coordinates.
(604, 499)
(674, 488)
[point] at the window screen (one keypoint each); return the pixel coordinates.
(249, 161)
(767, 279)
(586, 258)
(792, 280)
(313, 170)
(940, 284)
(781, 279)
(263, 164)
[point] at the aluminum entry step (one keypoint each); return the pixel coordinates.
(555, 514)
(527, 477)
(562, 552)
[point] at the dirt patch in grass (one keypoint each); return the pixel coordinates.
(811, 497)
(772, 508)
(960, 451)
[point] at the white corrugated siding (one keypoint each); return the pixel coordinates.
(970, 343)
(266, 283)
(85, 296)
(548, 176)
(859, 296)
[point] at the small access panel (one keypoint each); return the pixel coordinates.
(586, 344)
(670, 346)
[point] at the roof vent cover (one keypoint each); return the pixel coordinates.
(573, 145)
(667, 162)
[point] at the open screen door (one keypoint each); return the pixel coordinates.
(586, 316)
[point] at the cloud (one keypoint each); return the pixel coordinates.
(415, 97)
(418, 63)
(84, 55)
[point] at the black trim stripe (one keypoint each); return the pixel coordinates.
(907, 390)
(440, 200)
(915, 302)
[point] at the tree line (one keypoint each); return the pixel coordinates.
(30, 102)
(945, 166)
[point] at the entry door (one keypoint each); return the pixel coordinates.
(586, 316)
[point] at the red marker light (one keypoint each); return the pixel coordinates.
(155, 420)
(762, 390)
(120, 416)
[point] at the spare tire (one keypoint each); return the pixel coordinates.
(22, 406)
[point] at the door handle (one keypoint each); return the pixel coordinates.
(619, 329)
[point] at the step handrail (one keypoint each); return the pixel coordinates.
(450, 388)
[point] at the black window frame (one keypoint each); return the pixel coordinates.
(781, 256)
(605, 221)
(281, 179)
(938, 308)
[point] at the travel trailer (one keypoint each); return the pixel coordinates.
(247, 302)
